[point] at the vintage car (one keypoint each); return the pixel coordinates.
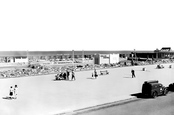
(153, 89)
(171, 87)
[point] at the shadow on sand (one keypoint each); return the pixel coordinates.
(61, 80)
(57, 80)
(8, 98)
(143, 71)
(140, 95)
(127, 77)
(91, 78)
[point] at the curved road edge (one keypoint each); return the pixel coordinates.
(125, 100)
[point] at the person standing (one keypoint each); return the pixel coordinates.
(67, 73)
(15, 91)
(73, 76)
(95, 73)
(57, 76)
(64, 76)
(133, 73)
(11, 93)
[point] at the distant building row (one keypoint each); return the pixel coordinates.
(97, 56)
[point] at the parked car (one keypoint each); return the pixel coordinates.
(171, 87)
(153, 89)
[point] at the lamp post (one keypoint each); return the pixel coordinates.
(132, 60)
(136, 59)
(27, 58)
(94, 56)
(73, 57)
(82, 55)
(157, 52)
(134, 55)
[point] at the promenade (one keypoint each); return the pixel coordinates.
(41, 95)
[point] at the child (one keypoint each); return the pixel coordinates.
(15, 91)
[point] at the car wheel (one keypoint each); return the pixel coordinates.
(154, 94)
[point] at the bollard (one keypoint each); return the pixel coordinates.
(144, 69)
(170, 66)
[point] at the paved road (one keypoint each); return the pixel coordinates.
(41, 95)
(163, 105)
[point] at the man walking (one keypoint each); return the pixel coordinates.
(11, 92)
(95, 73)
(67, 73)
(73, 76)
(133, 73)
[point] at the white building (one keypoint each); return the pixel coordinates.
(106, 58)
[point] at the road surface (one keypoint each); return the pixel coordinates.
(42, 95)
(163, 105)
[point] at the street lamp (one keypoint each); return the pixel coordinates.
(136, 59)
(73, 57)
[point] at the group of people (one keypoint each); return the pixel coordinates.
(13, 92)
(65, 75)
(159, 66)
(42, 70)
(95, 75)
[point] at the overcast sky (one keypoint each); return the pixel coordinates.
(86, 24)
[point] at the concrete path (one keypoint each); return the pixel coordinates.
(41, 95)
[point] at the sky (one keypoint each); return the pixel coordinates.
(53, 25)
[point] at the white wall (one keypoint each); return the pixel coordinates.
(21, 60)
(104, 58)
(114, 58)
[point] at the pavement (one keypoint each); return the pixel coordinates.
(41, 95)
(118, 101)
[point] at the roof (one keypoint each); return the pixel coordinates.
(53, 53)
(166, 49)
(13, 53)
(144, 51)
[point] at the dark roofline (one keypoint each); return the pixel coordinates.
(166, 48)
(88, 52)
(45, 53)
(76, 52)
(13, 53)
